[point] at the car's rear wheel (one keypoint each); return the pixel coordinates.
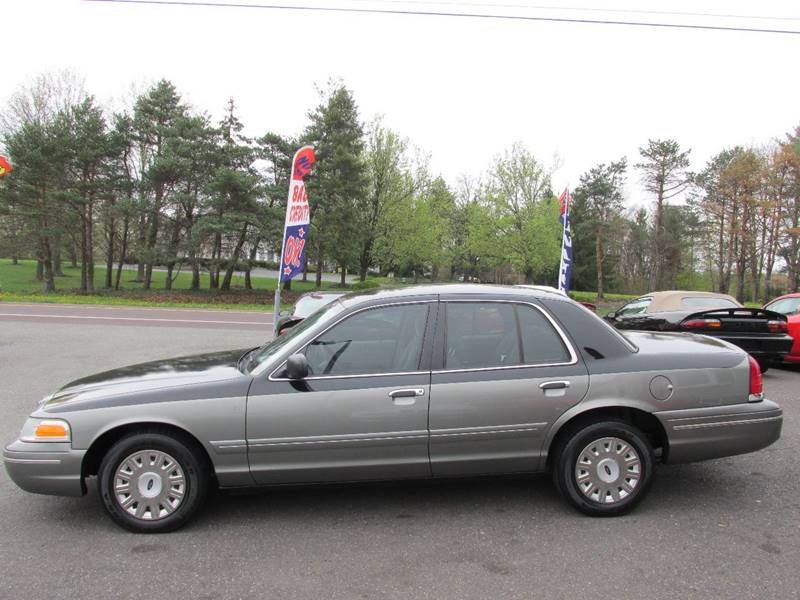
(604, 469)
(764, 365)
(152, 482)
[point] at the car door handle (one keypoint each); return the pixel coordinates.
(554, 385)
(407, 393)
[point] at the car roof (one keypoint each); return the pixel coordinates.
(789, 295)
(322, 295)
(445, 290)
(542, 288)
(673, 299)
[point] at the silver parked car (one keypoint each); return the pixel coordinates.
(433, 381)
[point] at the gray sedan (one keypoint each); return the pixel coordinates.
(424, 382)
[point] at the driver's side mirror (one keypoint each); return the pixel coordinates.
(297, 366)
(611, 316)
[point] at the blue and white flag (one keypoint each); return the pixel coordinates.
(565, 269)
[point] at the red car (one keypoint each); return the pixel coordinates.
(789, 305)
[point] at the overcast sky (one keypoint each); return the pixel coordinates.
(461, 89)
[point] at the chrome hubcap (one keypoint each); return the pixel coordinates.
(608, 470)
(149, 485)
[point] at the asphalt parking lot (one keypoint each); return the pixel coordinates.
(728, 528)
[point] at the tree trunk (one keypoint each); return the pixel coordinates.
(305, 267)
(46, 252)
(90, 246)
(173, 252)
(213, 270)
(248, 284)
(195, 273)
(343, 279)
(152, 238)
(49, 274)
(364, 260)
(110, 237)
(598, 257)
(237, 251)
(39, 269)
(318, 274)
(57, 262)
(123, 252)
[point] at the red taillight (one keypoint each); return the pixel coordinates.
(778, 326)
(702, 324)
(756, 381)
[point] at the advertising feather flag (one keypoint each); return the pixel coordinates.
(295, 226)
(565, 268)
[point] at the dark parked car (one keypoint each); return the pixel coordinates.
(306, 305)
(423, 382)
(762, 333)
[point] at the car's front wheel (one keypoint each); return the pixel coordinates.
(152, 482)
(604, 469)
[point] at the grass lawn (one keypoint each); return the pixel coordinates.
(18, 284)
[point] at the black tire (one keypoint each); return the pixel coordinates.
(764, 365)
(193, 467)
(565, 468)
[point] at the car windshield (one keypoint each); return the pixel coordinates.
(785, 306)
(308, 304)
(636, 307)
(272, 348)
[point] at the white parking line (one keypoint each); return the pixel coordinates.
(134, 319)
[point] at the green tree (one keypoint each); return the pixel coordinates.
(155, 120)
(388, 183)
(338, 185)
(526, 211)
(664, 174)
(599, 198)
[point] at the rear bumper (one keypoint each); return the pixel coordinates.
(703, 433)
(761, 346)
(45, 468)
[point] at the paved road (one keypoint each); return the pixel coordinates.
(79, 314)
(723, 529)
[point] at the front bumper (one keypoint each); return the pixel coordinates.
(45, 468)
(703, 433)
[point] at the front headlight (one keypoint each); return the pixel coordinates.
(45, 430)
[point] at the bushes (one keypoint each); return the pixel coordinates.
(367, 284)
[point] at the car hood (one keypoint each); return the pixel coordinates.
(160, 374)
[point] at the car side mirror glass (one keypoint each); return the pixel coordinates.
(297, 366)
(611, 315)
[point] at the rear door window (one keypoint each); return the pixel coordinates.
(481, 335)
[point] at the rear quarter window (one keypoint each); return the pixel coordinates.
(541, 343)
